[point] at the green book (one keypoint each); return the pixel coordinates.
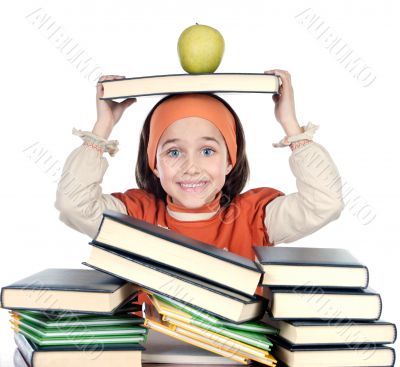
(53, 315)
(66, 314)
(257, 339)
(78, 340)
(43, 320)
(255, 327)
(86, 331)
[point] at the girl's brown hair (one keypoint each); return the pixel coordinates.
(235, 181)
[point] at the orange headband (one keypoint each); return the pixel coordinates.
(188, 105)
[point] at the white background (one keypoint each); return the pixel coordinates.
(44, 95)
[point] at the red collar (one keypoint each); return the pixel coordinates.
(206, 208)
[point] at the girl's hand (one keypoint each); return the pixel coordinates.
(109, 112)
(284, 103)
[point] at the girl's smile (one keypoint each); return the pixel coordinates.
(193, 186)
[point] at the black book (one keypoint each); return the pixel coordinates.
(309, 266)
(350, 355)
(314, 303)
(95, 355)
(182, 253)
(334, 332)
(80, 290)
(233, 306)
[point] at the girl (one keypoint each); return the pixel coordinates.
(191, 169)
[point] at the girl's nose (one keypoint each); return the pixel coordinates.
(190, 166)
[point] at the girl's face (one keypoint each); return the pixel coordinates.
(192, 151)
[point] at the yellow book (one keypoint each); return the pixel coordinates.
(167, 310)
(228, 344)
(182, 324)
(168, 330)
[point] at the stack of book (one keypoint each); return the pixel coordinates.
(166, 262)
(74, 317)
(316, 309)
(326, 314)
(200, 277)
(244, 342)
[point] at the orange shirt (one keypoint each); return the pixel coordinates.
(236, 228)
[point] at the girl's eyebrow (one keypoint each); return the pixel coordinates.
(202, 138)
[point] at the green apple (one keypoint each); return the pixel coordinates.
(200, 49)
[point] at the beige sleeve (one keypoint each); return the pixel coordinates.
(79, 197)
(318, 201)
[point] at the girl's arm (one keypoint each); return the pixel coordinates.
(319, 198)
(79, 195)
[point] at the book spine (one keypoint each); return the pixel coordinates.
(24, 347)
(395, 333)
(367, 281)
(1, 298)
(393, 356)
(380, 307)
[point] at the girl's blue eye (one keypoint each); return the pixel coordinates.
(210, 150)
(172, 150)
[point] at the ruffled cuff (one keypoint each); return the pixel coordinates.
(308, 133)
(92, 140)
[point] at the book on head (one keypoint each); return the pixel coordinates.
(190, 83)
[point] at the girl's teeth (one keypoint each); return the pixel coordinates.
(192, 185)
